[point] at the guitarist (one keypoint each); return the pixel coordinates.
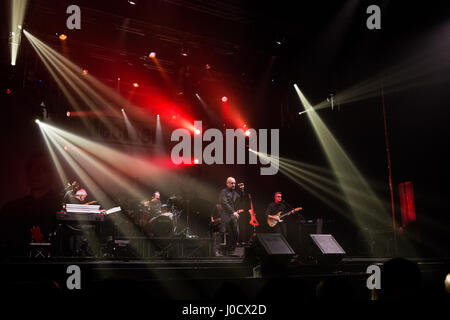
(230, 200)
(277, 206)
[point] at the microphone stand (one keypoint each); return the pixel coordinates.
(187, 233)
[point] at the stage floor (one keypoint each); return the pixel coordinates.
(200, 278)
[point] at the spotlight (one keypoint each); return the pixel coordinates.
(63, 37)
(37, 121)
(197, 131)
(123, 110)
(132, 2)
(196, 161)
(447, 283)
(247, 133)
(157, 115)
(224, 99)
(152, 55)
(135, 84)
(68, 113)
(8, 91)
(85, 72)
(20, 27)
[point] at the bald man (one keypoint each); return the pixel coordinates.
(230, 200)
(75, 196)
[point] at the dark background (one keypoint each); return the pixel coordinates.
(325, 49)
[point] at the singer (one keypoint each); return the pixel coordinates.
(275, 207)
(231, 200)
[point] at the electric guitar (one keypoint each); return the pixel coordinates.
(253, 220)
(272, 222)
(216, 221)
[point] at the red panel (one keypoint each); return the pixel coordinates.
(407, 207)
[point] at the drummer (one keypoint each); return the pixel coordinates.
(155, 204)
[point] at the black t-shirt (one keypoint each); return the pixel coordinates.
(275, 207)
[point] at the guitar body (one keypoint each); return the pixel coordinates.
(253, 220)
(272, 222)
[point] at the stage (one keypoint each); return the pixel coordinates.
(214, 150)
(212, 279)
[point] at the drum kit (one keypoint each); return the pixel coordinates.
(160, 220)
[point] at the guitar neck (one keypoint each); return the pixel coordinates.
(287, 213)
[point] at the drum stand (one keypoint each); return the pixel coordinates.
(186, 231)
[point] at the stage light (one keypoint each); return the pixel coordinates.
(152, 55)
(85, 72)
(248, 133)
(123, 110)
(18, 9)
(68, 113)
(196, 161)
(207, 66)
(37, 121)
(447, 283)
(8, 91)
(132, 2)
(135, 84)
(364, 204)
(197, 131)
(63, 37)
(224, 99)
(157, 115)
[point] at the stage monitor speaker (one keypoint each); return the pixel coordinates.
(326, 248)
(270, 248)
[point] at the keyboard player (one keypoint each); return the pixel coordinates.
(75, 194)
(76, 236)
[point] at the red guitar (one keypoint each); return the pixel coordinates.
(253, 220)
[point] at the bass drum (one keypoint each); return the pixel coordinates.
(160, 226)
